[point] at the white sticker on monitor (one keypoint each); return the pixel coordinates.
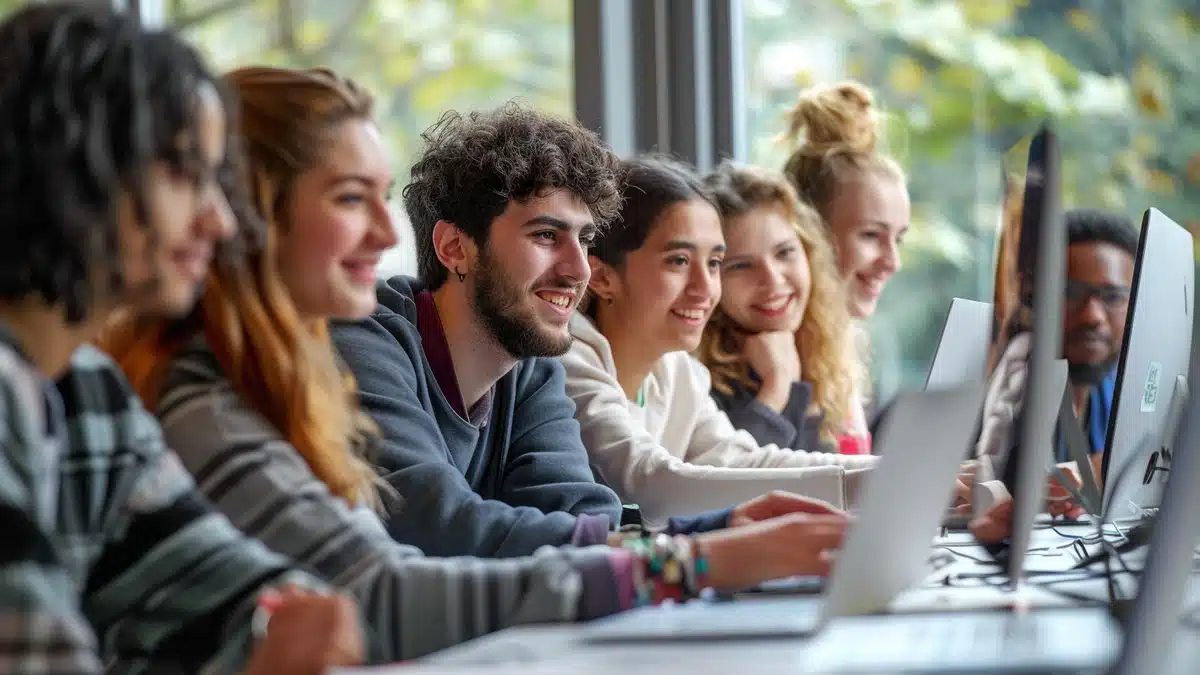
(1150, 392)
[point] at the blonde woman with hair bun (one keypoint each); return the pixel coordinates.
(861, 194)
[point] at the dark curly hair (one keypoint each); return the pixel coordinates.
(89, 100)
(1085, 226)
(475, 164)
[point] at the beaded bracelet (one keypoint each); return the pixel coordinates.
(665, 568)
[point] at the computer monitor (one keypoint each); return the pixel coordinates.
(1041, 272)
(1044, 230)
(1152, 386)
(1153, 623)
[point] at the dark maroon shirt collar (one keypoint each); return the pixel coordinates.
(437, 352)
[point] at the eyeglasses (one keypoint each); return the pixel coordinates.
(1079, 294)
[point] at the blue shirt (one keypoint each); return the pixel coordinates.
(1099, 409)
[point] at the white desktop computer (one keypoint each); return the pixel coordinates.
(1151, 388)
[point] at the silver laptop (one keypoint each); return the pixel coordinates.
(922, 442)
(962, 351)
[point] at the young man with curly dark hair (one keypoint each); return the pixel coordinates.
(479, 436)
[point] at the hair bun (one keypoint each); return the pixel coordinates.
(834, 119)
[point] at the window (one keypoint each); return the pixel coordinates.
(963, 83)
(419, 57)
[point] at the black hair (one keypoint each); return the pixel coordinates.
(473, 165)
(1085, 226)
(652, 183)
(89, 100)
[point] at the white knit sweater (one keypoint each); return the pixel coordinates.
(678, 453)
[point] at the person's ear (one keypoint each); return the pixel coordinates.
(455, 250)
(605, 283)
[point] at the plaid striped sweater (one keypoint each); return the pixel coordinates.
(110, 555)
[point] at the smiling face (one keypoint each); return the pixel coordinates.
(765, 280)
(165, 261)
(867, 222)
(664, 292)
(338, 225)
(532, 272)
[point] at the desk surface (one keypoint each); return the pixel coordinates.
(534, 650)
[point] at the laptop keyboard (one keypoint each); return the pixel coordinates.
(701, 620)
(958, 640)
(946, 643)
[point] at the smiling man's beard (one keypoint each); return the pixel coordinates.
(499, 303)
(1091, 374)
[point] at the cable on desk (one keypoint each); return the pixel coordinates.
(967, 556)
(1042, 579)
(1085, 538)
(956, 544)
(1054, 576)
(1114, 594)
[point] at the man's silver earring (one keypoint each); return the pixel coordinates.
(460, 275)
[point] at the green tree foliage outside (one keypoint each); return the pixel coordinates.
(420, 58)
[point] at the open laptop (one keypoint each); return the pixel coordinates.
(962, 351)
(922, 442)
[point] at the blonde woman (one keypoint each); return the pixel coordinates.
(776, 347)
(861, 193)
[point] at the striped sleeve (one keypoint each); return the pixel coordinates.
(42, 631)
(175, 585)
(413, 605)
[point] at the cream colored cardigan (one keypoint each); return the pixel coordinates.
(678, 453)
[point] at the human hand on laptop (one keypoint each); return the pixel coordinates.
(779, 503)
(962, 485)
(996, 524)
(794, 544)
(1059, 500)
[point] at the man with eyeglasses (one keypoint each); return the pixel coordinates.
(1101, 251)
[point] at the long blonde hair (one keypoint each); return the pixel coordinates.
(827, 354)
(835, 133)
(284, 367)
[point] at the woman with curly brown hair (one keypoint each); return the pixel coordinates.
(776, 346)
